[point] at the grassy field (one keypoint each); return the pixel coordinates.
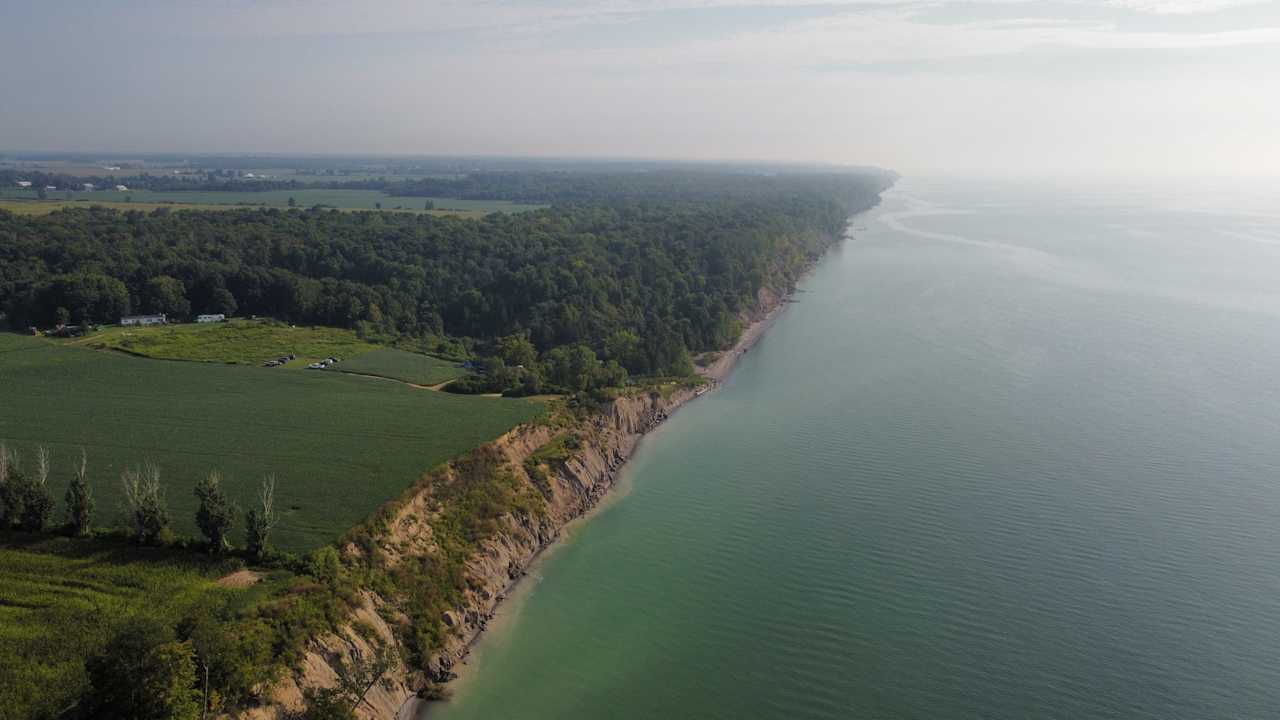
(62, 600)
(239, 341)
(400, 365)
(339, 444)
(39, 207)
(341, 199)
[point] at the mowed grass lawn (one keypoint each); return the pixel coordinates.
(340, 445)
(62, 600)
(241, 341)
(401, 365)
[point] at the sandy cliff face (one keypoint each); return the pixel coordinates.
(576, 487)
(609, 437)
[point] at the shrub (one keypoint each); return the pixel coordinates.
(325, 565)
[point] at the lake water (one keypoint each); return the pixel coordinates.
(1015, 452)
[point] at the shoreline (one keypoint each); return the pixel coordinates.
(769, 309)
(719, 370)
(716, 372)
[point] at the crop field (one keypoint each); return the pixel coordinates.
(62, 600)
(339, 444)
(44, 207)
(341, 199)
(400, 365)
(238, 341)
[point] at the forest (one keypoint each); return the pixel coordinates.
(638, 270)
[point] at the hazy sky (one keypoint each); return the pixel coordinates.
(1080, 86)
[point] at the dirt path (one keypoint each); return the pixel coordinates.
(240, 579)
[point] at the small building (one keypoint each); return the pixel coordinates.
(144, 319)
(214, 317)
(88, 187)
(121, 188)
(24, 183)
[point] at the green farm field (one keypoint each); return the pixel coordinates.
(401, 365)
(341, 199)
(340, 445)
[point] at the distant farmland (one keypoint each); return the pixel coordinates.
(340, 444)
(341, 199)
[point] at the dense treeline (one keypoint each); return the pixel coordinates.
(642, 278)
(665, 186)
(533, 186)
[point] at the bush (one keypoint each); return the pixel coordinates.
(325, 565)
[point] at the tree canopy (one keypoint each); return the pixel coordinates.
(640, 269)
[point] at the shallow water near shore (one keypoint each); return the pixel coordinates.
(1012, 453)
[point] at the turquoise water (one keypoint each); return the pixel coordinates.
(1015, 452)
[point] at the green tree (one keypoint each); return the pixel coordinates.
(573, 368)
(325, 565)
(516, 350)
(233, 658)
(293, 202)
(222, 301)
(144, 498)
(624, 346)
(79, 498)
(259, 521)
(167, 295)
(11, 482)
(144, 674)
(37, 500)
(89, 297)
(216, 514)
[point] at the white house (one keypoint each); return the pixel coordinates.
(121, 188)
(144, 319)
(24, 183)
(215, 317)
(89, 187)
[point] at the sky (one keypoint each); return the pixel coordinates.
(1003, 87)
